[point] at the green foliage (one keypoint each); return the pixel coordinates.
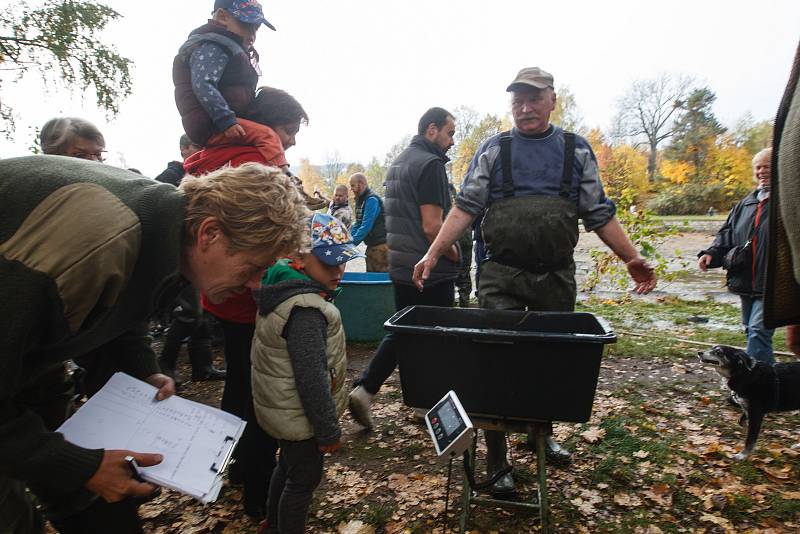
(473, 135)
(61, 39)
(691, 198)
(647, 235)
(376, 175)
(696, 129)
(378, 514)
(751, 135)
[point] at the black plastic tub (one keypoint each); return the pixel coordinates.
(502, 364)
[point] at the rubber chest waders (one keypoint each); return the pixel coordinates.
(531, 238)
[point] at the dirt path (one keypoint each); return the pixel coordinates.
(655, 457)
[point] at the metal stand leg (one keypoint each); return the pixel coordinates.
(540, 431)
(541, 466)
(467, 495)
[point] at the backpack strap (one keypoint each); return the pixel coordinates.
(569, 160)
(505, 162)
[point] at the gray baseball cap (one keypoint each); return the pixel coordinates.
(531, 77)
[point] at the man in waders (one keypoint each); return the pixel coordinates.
(532, 184)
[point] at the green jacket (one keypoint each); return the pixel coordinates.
(87, 253)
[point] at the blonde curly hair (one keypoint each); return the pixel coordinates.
(257, 207)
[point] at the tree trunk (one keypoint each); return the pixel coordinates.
(651, 163)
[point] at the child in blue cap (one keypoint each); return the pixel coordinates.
(216, 71)
(299, 363)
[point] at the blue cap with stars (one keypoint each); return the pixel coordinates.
(330, 240)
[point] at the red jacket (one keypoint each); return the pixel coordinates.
(239, 308)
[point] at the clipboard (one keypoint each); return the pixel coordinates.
(195, 440)
(227, 449)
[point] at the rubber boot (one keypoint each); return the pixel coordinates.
(463, 299)
(201, 357)
(171, 349)
(496, 461)
(556, 454)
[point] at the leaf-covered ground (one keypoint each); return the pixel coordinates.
(656, 455)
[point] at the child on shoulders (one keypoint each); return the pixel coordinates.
(216, 71)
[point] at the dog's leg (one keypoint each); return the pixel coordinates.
(744, 405)
(754, 420)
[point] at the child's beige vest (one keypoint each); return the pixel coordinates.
(277, 404)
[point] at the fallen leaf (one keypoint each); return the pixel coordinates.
(780, 475)
(721, 521)
(594, 434)
(626, 499)
(660, 494)
(355, 527)
(641, 454)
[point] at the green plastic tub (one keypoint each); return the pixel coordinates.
(365, 302)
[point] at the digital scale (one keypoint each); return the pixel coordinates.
(450, 427)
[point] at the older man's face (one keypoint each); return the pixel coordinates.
(762, 169)
(531, 109)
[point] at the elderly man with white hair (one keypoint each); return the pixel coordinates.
(740, 248)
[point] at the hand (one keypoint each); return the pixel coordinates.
(331, 448)
(233, 133)
(113, 480)
(642, 274)
(704, 261)
(422, 270)
(165, 385)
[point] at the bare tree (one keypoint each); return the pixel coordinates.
(647, 113)
(331, 168)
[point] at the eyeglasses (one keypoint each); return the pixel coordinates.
(91, 156)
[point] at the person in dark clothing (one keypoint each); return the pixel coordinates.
(87, 254)
(190, 322)
(417, 201)
(175, 172)
(188, 319)
(216, 71)
(740, 248)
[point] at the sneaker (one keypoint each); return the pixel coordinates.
(359, 402)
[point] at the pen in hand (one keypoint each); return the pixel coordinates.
(134, 468)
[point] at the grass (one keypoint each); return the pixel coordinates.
(718, 217)
(669, 318)
(377, 514)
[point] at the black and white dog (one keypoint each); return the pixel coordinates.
(759, 388)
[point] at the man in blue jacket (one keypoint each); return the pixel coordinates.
(370, 224)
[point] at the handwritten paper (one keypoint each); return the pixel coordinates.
(193, 438)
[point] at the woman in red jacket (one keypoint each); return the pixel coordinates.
(273, 120)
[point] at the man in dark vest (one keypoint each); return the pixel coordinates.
(530, 221)
(417, 200)
(370, 224)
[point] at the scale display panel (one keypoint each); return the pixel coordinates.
(449, 426)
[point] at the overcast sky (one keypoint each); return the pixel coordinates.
(365, 70)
